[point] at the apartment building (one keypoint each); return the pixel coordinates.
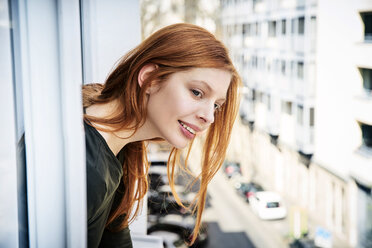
(307, 72)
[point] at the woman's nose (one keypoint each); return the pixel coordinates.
(207, 113)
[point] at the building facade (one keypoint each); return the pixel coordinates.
(308, 106)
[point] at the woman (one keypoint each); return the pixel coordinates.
(176, 84)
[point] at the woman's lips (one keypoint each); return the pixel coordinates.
(186, 133)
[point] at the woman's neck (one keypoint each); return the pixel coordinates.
(116, 140)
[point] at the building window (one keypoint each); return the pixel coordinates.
(311, 121)
(268, 102)
(300, 114)
(254, 61)
(247, 29)
(301, 25)
(284, 28)
(293, 69)
(253, 95)
(276, 65)
(367, 20)
(258, 29)
(313, 33)
(263, 64)
(272, 28)
(293, 26)
(287, 107)
(260, 97)
(367, 79)
(366, 134)
(300, 70)
(282, 67)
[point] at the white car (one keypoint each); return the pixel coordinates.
(268, 205)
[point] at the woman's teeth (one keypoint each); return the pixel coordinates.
(188, 128)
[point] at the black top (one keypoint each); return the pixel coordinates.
(104, 172)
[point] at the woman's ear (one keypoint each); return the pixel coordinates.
(145, 72)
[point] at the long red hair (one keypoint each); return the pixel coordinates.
(175, 48)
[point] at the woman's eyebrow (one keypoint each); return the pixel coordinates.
(209, 88)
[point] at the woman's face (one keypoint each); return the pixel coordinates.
(185, 104)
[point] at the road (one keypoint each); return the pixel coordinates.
(232, 223)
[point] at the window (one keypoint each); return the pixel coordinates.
(311, 121)
(258, 29)
(293, 25)
(272, 28)
(313, 25)
(367, 79)
(246, 29)
(276, 65)
(293, 68)
(284, 23)
(254, 61)
(263, 64)
(367, 20)
(287, 107)
(25, 222)
(366, 134)
(253, 95)
(300, 70)
(269, 102)
(260, 97)
(272, 205)
(300, 114)
(313, 33)
(282, 67)
(301, 25)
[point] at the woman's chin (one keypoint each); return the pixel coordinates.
(178, 144)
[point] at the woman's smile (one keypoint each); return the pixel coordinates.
(187, 131)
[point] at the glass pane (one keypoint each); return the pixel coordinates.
(301, 25)
(311, 117)
(300, 110)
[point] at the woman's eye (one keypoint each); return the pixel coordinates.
(196, 93)
(217, 107)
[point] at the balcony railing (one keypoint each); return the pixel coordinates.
(361, 168)
(305, 139)
(362, 107)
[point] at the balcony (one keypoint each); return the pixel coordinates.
(273, 123)
(304, 83)
(260, 7)
(362, 54)
(299, 44)
(362, 107)
(287, 127)
(286, 86)
(260, 115)
(304, 89)
(284, 43)
(361, 166)
(305, 139)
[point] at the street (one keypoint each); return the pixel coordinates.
(232, 224)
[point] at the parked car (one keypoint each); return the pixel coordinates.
(302, 243)
(248, 190)
(232, 169)
(158, 163)
(268, 205)
(176, 230)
